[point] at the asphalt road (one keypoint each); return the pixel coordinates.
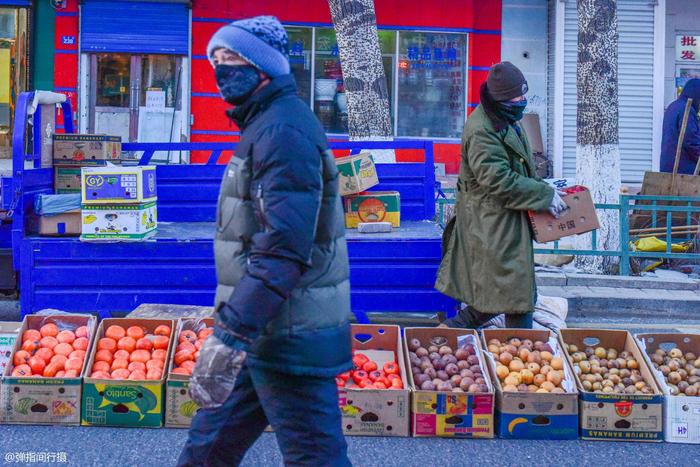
(160, 447)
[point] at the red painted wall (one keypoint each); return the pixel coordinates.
(480, 18)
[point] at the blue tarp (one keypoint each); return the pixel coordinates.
(51, 205)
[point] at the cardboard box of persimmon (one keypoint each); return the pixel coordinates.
(374, 398)
(620, 399)
(190, 336)
(536, 396)
(125, 377)
(42, 383)
(452, 393)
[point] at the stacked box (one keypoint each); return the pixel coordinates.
(73, 151)
(118, 203)
(377, 412)
(179, 407)
(616, 417)
(450, 414)
(529, 415)
(681, 412)
(45, 401)
(356, 173)
(375, 206)
(131, 403)
(66, 179)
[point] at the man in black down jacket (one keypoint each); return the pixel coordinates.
(282, 265)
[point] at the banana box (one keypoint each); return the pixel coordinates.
(450, 414)
(118, 185)
(377, 412)
(373, 206)
(45, 401)
(122, 222)
(532, 415)
(611, 416)
(179, 407)
(84, 150)
(131, 403)
(356, 173)
(66, 179)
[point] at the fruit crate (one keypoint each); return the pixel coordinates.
(8, 335)
(534, 415)
(681, 412)
(124, 402)
(179, 407)
(450, 414)
(614, 416)
(38, 400)
(377, 412)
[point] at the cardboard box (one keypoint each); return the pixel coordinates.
(376, 206)
(108, 402)
(179, 407)
(8, 334)
(579, 218)
(356, 173)
(66, 179)
(681, 413)
(525, 415)
(118, 185)
(450, 414)
(617, 417)
(68, 224)
(45, 401)
(119, 222)
(86, 150)
(377, 412)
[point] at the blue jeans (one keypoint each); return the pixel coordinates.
(302, 410)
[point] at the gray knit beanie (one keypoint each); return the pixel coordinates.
(505, 82)
(261, 40)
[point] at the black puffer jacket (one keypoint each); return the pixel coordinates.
(281, 256)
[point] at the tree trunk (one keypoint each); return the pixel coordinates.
(597, 135)
(369, 117)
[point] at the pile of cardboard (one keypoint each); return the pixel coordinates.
(73, 151)
(357, 174)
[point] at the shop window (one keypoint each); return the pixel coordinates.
(330, 103)
(300, 49)
(113, 80)
(160, 79)
(431, 88)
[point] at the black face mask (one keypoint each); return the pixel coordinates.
(236, 82)
(512, 111)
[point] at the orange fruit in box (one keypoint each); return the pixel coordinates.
(101, 375)
(104, 356)
(137, 375)
(155, 363)
(161, 342)
(74, 364)
(140, 356)
(186, 346)
(44, 353)
(187, 336)
(21, 357)
(162, 330)
(65, 337)
(31, 335)
(107, 343)
(115, 332)
(72, 373)
(81, 343)
(82, 331)
(37, 365)
(30, 346)
(123, 354)
(119, 364)
(77, 354)
(188, 365)
(59, 374)
(63, 349)
(135, 332)
(127, 343)
(101, 366)
(181, 371)
(22, 370)
(154, 374)
(144, 344)
(158, 354)
(49, 342)
(204, 333)
(133, 366)
(49, 330)
(182, 356)
(121, 373)
(60, 360)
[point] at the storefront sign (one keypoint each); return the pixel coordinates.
(155, 100)
(687, 48)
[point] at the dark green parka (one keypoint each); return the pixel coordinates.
(488, 259)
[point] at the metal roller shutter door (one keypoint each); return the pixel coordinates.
(134, 27)
(635, 74)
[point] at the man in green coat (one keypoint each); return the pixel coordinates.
(488, 260)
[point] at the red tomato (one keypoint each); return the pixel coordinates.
(126, 343)
(345, 376)
(133, 366)
(49, 330)
(187, 336)
(22, 370)
(392, 377)
(65, 337)
(101, 366)
(37, 364)
(115, 332)
(60, 360)
(137, 375)
(366, 383)
(359, 360)
(101, 375)
(82, 331)
(135, 332)
(154, 374)
(374, 375)
(204, 333)
(104, 356)
(188, 365)
(31, 346)
(21, 357)
(121, 373)
(70, 374)
(384, 381)
(181, 371)
(144, 344)
(75, 364)
(118, 364)
(31, 335)
(359, 375)
(340, 382)
(396, 383)
(161, 342)
(63, 349)
(59, 374)
(369, 366)
(122, 354)
(159, 354)
(391, 368)
(155, 363)
(77, 354)
(140, 356)
(81, 343)
(162, 330)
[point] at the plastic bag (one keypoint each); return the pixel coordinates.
(653, 244)
(51, 205)
(214, 376)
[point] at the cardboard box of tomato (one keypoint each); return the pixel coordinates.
(125, 377)
(189, 337)
(371, 402)
(439, 411)
(8, 335)
(42, 382)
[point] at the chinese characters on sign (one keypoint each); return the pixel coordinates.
(687, 48)
(432, 57)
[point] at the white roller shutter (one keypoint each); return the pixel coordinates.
(636, 75)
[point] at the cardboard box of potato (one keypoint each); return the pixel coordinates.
(681, 412)
(377, 412)
(35, 400)
(614, 416)
(450, 414)
(132, 403)
(534, 415)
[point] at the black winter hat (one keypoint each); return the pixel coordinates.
(505, 82)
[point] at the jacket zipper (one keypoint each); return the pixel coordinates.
(261, 206)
